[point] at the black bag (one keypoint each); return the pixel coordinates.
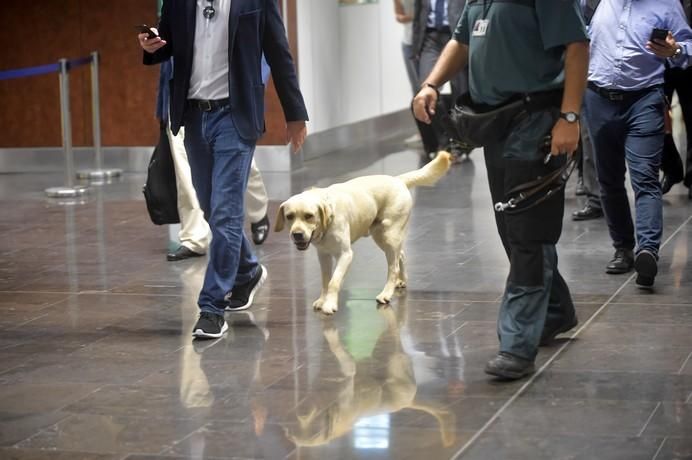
(160, 191)
(480, 124)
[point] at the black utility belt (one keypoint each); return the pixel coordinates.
(479, 124)
(208, 105)
(442, 30)
(620, 94)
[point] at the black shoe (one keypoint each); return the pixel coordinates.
(241, 297)
(689, 193)
(509, 367)
(667, 183)
(550, 331)
(182, 253)
(580, 190)
(646, 266)
(260, 230)
(588, 212)
(622, 262)
(209, 326)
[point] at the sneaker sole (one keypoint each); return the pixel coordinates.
(647, 268)
(251, 297)
(200, 334)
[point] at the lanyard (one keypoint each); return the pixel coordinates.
(486, 9)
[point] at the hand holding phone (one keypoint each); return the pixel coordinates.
(658, 34)
(152, 42)
(145, 29)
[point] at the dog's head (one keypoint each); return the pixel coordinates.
(308, 216)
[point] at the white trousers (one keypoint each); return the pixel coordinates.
(256, 199)
(194, 232)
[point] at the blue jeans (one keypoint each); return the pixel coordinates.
(628, 134)
(220, 164)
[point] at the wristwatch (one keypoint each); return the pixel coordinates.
(570, 117)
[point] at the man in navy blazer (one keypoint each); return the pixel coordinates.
(218, 95)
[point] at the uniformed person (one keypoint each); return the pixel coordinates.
(516, 48)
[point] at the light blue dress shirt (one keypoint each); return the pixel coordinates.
(431, 15)
(619, 32)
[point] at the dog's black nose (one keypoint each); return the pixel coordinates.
(298, 237)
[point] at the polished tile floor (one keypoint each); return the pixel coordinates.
(96, 359)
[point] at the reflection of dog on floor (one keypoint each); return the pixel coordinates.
(333, 218)
(382, 383)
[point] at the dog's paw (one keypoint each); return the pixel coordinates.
(401, 284)
(317, 304)
(384, 297)
(329, 308)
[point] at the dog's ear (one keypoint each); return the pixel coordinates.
(279, 221)
(326, 213)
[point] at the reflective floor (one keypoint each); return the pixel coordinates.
(97, 362)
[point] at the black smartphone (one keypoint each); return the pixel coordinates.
(145, 29)
(658, 34)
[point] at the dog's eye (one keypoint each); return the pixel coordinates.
(290, 216)
(309, 216)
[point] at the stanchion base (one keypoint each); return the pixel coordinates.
(67, 192)
(99, 174)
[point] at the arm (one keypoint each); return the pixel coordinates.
(566, 135)
(158, 49)
(278, 56)
(677, 47)
(453, 59)
(400, 13)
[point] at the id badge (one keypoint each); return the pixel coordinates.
(480, 28)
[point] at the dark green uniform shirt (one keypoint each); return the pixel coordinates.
(523, 49)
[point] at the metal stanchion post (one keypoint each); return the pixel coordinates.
(69, 190)
(98, 175)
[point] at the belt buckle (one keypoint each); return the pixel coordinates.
(205, 106)
(616, 97)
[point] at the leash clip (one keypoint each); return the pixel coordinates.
(510, 204)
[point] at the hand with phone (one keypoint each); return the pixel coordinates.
(662, 43)
(149, 38)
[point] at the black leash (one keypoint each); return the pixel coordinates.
(526, 196)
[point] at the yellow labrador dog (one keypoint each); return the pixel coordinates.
(333, 218)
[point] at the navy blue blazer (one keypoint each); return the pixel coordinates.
(255, 27)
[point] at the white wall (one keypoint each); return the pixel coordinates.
(350, 62)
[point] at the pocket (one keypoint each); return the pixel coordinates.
(526, 139)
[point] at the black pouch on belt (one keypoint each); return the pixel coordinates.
(479, 124)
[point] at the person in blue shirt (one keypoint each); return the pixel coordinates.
(625, 107)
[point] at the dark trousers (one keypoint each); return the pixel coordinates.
(680, 81)
(535, 293)
(434, 136)
(628, 134)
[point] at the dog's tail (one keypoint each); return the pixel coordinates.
(429, 174)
